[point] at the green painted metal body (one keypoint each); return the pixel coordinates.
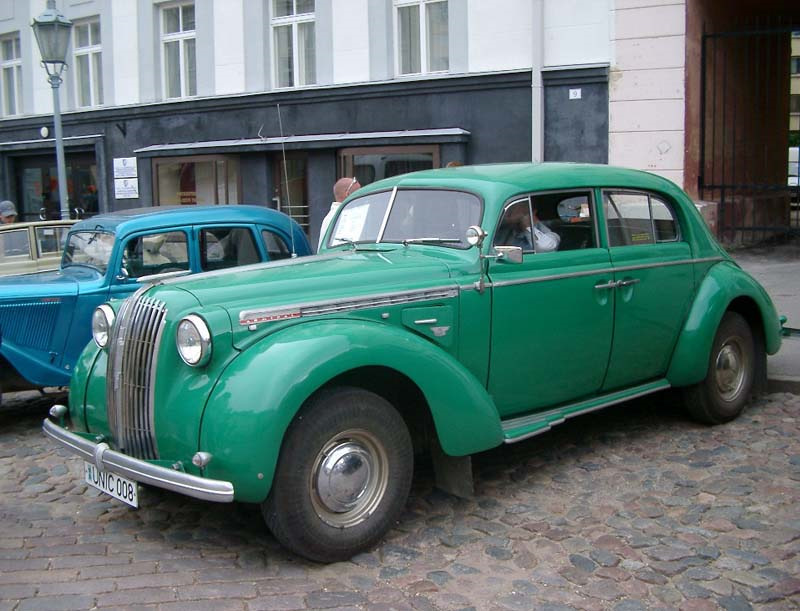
(510, 343)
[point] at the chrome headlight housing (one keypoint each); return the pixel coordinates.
(193, 340)
(102, 321)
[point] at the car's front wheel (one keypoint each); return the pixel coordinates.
(343, 475)
(723, 394)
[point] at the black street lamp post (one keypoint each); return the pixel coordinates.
(52, 31)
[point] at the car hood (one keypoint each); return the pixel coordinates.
(52, 283)
(335, 276)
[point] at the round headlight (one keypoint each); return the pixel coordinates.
(102, 319)
(194, 340)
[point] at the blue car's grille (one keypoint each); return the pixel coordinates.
(133, 353)
(29, 324)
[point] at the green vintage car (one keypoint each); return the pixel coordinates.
(449, 312)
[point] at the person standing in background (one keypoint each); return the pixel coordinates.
(8, 212)
(341, 189)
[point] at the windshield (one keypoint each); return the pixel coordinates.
(435, 216)
(92, 248)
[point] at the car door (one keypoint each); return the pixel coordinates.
(552, 315)
(655, 283)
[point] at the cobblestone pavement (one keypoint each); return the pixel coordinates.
(632, 508)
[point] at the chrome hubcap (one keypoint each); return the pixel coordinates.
(349, 478)
(729, 371)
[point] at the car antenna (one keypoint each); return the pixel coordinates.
(286, 179)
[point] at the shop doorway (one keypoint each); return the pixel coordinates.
(37, 187)
(290, 191)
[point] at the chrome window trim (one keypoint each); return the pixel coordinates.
(334, 306)
(386, 214)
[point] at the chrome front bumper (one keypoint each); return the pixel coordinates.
(106, 459)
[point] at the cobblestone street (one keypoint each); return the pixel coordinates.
(632, 508)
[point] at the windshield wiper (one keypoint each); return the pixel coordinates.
(408, 241)
(346, 242)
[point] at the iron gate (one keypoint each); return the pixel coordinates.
(744, 124)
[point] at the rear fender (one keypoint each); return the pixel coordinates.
(260, 392)
(724, 284)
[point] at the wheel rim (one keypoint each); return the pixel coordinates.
(730, 369)
(349, 478)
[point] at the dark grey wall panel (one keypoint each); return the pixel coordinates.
(576, 129)
(495, 109)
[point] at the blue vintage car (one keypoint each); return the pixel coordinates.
(45, 318)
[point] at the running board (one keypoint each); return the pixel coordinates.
(523, 427)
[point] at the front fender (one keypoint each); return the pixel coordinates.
(32, 369)
(724, 283)
(260, 392)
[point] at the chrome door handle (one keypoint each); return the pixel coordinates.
(629, 282)
(608, 285)
(426, 321)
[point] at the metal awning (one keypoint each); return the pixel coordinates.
(312, 141)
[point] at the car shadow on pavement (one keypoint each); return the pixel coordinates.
(526, 483)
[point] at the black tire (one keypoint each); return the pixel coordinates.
(363, 445)
(723, 394)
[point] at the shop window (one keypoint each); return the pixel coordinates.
(206, 179)
(369, 164)
(422, 38)
(11, 67)
(37, 187)
(294, 42)
(179, 63)
(88, 63)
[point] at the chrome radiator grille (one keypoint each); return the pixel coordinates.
(130, 375)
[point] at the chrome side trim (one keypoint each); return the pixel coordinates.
(334, 306)
(522, 421)
(605, 270)
(139, 470)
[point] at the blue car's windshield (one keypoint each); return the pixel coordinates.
(92, 248)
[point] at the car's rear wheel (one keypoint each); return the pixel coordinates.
(723, 394)
(343, 475)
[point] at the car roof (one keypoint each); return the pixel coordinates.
(159, 217)
(498, 182)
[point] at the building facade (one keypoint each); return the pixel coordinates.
(270, 101)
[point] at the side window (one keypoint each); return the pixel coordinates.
(545, 222)
(156, 253)
(275, 246)
(514, 228)
(664, 223)
(223, 247)
(568, 215)
(15, 243)
(638, 218)
(50, 240)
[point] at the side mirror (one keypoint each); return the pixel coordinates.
(123, 274)
(475, 235)
(512, 254)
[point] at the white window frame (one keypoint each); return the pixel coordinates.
(91, 50)
(293, 20)
(181, 37)
(15, 65)
(424, 59)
